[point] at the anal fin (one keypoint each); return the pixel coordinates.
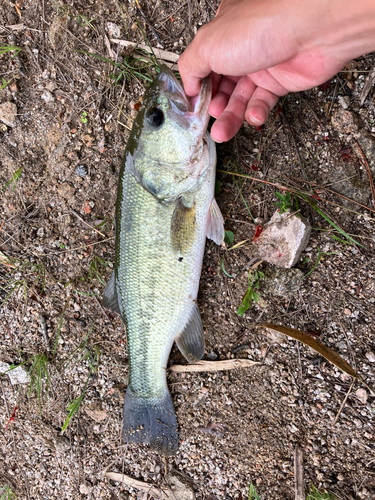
(191, 340)
(215, 223)
(110, 300)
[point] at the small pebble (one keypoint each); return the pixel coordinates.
(47, 97)
(82, 170)
(8, 112)
(361, 395)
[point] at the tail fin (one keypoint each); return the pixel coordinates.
(152, 422)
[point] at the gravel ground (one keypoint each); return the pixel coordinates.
(65, 117)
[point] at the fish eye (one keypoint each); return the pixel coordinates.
(155, 117)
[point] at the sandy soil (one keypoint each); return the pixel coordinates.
(60, 157)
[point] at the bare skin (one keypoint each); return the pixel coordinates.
(259, 50)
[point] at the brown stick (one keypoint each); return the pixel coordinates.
(213, 366)
(298, 474)
(368, 172)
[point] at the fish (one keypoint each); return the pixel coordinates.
(165, 209)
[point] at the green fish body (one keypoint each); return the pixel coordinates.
(165, 210)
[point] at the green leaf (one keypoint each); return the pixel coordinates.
(253, 495)
(249, 297)
(229, 237)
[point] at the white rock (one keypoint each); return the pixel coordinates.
(361, 395)
(344, 101)
(84, 489)
(283, 239)
(370, 356)
(47, 97)
(17, 375)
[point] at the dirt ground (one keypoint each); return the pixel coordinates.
(60, 157)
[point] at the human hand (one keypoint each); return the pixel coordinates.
(259, 50)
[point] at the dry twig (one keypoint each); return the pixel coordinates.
(368, 172)
(343, 404)
(165, 55)
(151, 489)
(213, 366)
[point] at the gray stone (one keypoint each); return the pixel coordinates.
(8, 113)
(283, 239)
(281, 282)
(17, 375)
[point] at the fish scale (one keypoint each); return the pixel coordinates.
(153, 284)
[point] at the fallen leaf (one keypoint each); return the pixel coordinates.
(217, 430)
(325, 351)
(97, 415)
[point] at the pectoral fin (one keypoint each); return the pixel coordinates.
(110, 300)
(182, 227)
(191, 340)
(215, 224)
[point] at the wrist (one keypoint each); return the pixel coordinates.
(347, 30)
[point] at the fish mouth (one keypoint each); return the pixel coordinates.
(194, 107)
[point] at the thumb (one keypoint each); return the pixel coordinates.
(193, 64)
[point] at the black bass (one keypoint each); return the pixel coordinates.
(165, 210)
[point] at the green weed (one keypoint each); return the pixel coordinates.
(130, 68)
(14, 180)
(251, 295)
(315, 494)
(285, 203)
(39, 377)
(10, 48)
(97, 269)
(24, 272)
(253, 495)
(92, 357)
(320, 255)
(4, 84)
(7, 493)
(320, 212)
(83, 117)
(223, 268)
(239, 187)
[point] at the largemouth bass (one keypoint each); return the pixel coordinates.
(165, 210)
